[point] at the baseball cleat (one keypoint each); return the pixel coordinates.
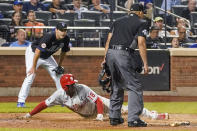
(20, 104)
(137, 123)
(116, 121)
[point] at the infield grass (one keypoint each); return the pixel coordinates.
(170, 107)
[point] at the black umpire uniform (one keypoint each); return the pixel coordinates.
(122, 65)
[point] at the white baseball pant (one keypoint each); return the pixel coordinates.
(49, 64)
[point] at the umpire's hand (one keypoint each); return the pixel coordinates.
(59, 70)
(145, 69)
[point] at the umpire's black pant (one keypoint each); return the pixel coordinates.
(124, 77)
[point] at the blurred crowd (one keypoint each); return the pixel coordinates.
(165, 30)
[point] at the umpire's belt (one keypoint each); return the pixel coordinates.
(121, 47)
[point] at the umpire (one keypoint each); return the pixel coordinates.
(122, 65)
(39, 53)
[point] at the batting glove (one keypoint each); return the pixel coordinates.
(99, 117)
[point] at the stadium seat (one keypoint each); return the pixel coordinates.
(117, 14)
(8, 14)
(5, 7)
(104, 33)
(68, 16)
(45, 15)
(84, 22)
(177, 9)
(5, 21)
(95, 15)
(68, 6)
(193, 18)
(87, 37)
(54, 22)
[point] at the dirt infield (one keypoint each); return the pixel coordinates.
(74, 121)
(146, 98)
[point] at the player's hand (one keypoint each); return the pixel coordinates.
(31, 71)
(145, 69)
(26, 116)
(99, 117)
(102, 64)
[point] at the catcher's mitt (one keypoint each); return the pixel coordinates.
(59, 70)
(105, 80)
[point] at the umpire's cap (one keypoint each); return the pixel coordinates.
(137, 7)
(61, 26)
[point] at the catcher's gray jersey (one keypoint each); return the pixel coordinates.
(83, 101)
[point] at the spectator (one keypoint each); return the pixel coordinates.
(16, 19)
(33, 5)
(158, 21)
(38, 32)
(146, 3)
(18, 6)
(180, 23)
(56, 7)
(182, 37)
(21, 42)
(99, 7)
(78, 8)
(170, 3)
(153, 40)
(191, 8)
(175, 42)
(128, 4)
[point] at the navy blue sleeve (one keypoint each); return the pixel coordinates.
(66, 47)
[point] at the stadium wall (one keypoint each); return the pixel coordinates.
(84, 63)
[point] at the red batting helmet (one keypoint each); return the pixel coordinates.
(67, 79)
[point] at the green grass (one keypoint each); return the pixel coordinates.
(170, 107)
(173, 107)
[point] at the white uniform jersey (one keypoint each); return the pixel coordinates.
(83, 101)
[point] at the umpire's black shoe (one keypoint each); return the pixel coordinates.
(116, 121)
(137, 123)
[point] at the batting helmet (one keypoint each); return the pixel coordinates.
(67, 79)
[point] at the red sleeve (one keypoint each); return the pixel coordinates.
(99, 104)
(38, 108)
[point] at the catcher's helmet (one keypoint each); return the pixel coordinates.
(67, 79)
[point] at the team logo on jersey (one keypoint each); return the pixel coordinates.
(43, 45)
(145, 32)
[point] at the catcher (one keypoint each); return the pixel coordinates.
(39, 53)
(84, 101)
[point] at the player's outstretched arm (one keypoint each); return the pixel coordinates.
(36, 110)
(99, 105)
